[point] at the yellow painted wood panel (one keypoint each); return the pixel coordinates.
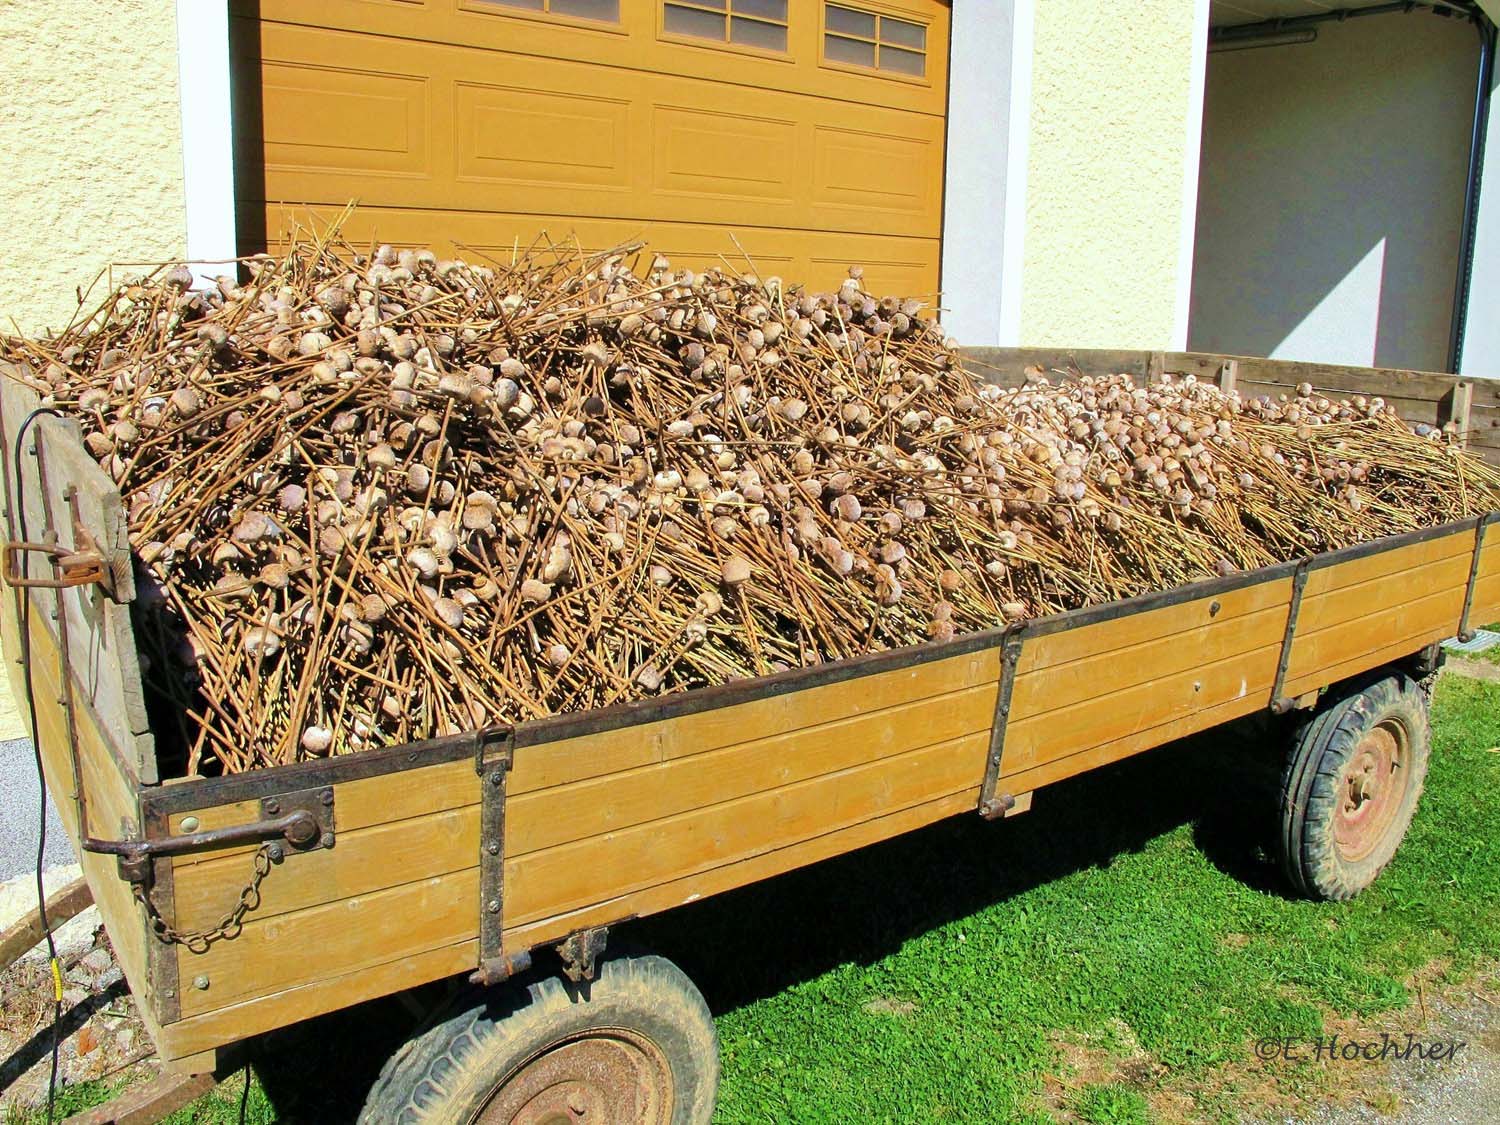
(1356, 601)
(260, 1014)
(609, 752)
(363, 861)
(1112, 670)
(1060, 767)
(1380, 564)
(678, 892)
(112, 806)
(637, 43)
(1035, 739)
(563, 879)
(1401, 621)
(492, 118)
(1138, 628)
(561, 815)
(333, 939)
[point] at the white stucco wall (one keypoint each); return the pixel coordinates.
(1331, 194)
(1113, 158)
(1481, 344)
(92, 127)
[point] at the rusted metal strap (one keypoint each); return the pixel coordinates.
(492, 760)
(1465, 633)
(991, 805)
(1280, 704)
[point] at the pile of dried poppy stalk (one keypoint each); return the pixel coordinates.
(382, 497)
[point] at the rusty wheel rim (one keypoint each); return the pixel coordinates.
(1371, 789)
(603, 1076)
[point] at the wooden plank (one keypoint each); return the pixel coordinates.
(113, 812)
(1113, 670)
(563, 814)
(1036, 738)
(362, 861)
(1131, 629)
(1353, 601)
(596, 755)
(332, 939)
(1328, 378)
(677, 892)
(1382, 564)
(1135, 742)
(570, 876)
(1460, 405)
(62, 904)
(1006, 367)
(1396, 621)
(146, 1103)
(1486, 607)
(282, 1008)
(360, 803)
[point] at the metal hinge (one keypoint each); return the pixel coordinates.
(992, 806)
(1281, 704)
(493, 753)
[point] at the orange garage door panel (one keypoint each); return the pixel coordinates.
(804, 135)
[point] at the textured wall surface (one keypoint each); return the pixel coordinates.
(1112, 88)
(1332, 194)
(90, 117)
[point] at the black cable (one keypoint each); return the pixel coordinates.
(245, 1094)
(24, 623)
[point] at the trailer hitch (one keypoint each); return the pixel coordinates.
(303, 820)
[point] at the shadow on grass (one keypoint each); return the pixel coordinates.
(754, 942)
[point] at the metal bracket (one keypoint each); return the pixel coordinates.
(580, 951)
(303, 819)
(493, 752)
(1280, 704)
(1464, 632)
(83, 564)
(990, 805)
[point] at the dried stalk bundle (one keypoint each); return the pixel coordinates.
(378, 498)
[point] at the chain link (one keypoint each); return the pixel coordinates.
(229, 926)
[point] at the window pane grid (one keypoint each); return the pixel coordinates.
(603, 11)
(761, 24)
(868, 39)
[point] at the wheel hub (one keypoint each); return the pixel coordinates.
(602, 1077)
(1371, 788)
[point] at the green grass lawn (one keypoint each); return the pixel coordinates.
(1111, 956)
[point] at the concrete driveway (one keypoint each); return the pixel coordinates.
(18, 796)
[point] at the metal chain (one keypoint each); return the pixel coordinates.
(229, 926)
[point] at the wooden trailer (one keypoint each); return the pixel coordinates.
(246, 903)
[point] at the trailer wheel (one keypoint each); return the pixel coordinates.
(637, 1044)
(1350, 787)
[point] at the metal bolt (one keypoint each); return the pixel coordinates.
(326, 796)
(276, 852)
(190, 824)
(169, 992)
(493, 847)
(273, 806)
(1214, 607)
(326, 839)
(497, 777)
(493, 906)
(1197, 685)
(200, 982)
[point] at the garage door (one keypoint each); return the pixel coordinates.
(805, 136)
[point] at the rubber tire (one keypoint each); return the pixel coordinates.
(447, 1072)
(1320, 750)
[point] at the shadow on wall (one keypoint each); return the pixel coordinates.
(1331, 194)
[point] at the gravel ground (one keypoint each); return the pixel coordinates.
(1463, 1091)
(18, 793)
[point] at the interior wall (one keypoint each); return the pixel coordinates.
(1331, 194)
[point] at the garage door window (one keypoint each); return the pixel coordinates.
(853, 37)
(759, 24)
(607, 11)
